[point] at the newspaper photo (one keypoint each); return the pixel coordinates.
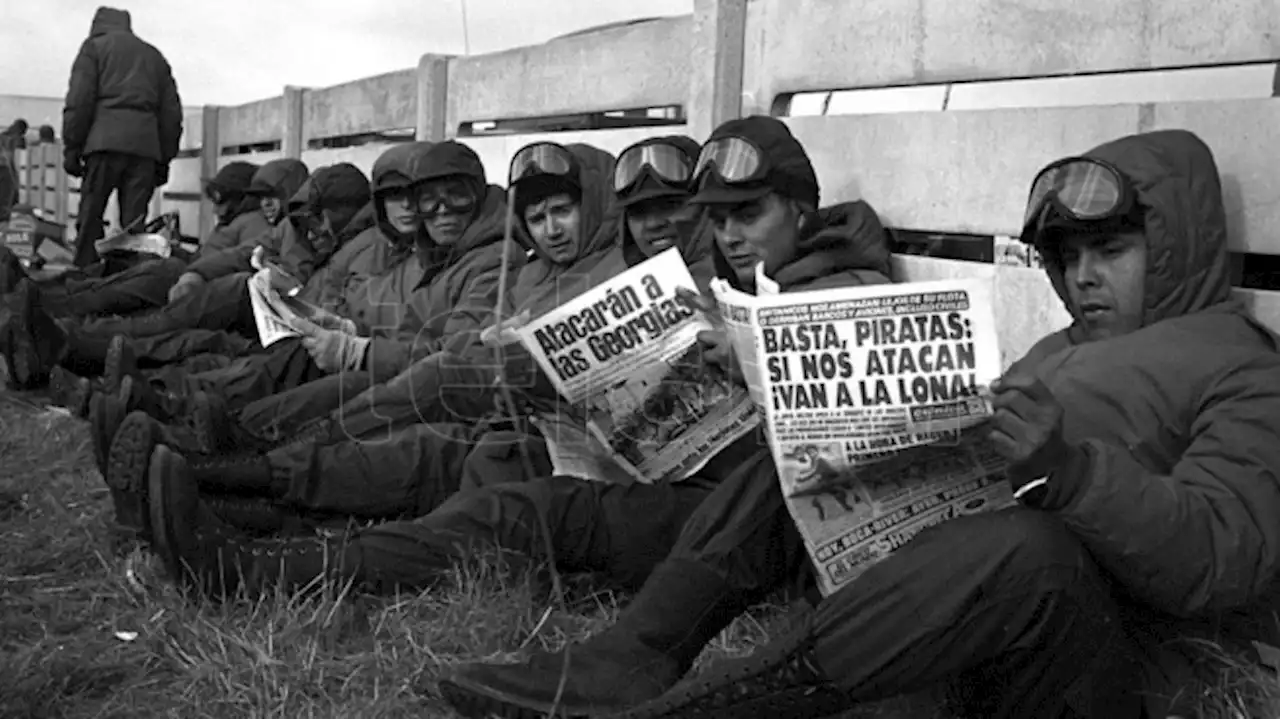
(626, 360)
(279, 315)
(876, 401)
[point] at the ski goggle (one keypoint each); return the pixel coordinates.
(665, 163)
(1080, 188)
(733, 160)
(540, 158)
(446, 198)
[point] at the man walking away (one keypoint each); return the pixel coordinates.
(120, 126)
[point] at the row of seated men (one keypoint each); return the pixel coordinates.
(385, 447)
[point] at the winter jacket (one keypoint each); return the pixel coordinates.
(280, 178)
(457, 289)
(322, 275)
(1173, 483)
(850, 248)
(121, 96)
(544, 285)
(382, 304)
(332, 186)
(243, 230)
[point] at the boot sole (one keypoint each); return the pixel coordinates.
(159, 501)
(106, 414)
(719, 692)
(24, 365)
(206, 430)
(113, 372)
(476, 702)
(127, 468)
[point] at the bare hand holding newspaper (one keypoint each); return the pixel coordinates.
(876, 401)
(626, 359)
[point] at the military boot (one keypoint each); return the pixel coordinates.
(119, 363)
(780, 680)
(219, 430)
(210, 556)
(243, 474)
(253, 515)
(107, 412)
(681, 607)
(33, 341)
(125, 472)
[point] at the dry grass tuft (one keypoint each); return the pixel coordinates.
(88, 630)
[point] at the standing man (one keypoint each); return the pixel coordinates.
(11, 140)
(120, 126)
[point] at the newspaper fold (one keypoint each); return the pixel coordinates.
(280, 315)
(626, 360)
(145, 243)
(875, 401)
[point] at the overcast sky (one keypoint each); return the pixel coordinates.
(233, 51)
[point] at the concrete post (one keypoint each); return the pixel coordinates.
(433, 99)
(715, 87)
(292, 141)
(210, 152)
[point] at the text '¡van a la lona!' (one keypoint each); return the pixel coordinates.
(919, 359)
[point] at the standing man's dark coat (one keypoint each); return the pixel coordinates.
(120, 126)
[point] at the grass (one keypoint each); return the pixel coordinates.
(90, 631)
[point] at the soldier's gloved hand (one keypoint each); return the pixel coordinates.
(1026, 428)
(335, 351)
(336, 322)
(187, 283)
(73, 163)
(505, 333)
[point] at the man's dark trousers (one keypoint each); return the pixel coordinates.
(133, 177)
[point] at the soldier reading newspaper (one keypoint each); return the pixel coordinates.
(280, 314)
(874, 399)
(626, 359)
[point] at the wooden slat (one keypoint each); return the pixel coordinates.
(1026, 306)
(251, 123)
(798, 45)
(184, 175)
(362, 156)
(372, 104)
(969, 172)
(257, 158)
(634, 66)
(192, 130)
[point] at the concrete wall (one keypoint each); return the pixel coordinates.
(937, 112)
(36, 111)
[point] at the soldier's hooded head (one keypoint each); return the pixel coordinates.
(759, 189)
(274, 183)
(652, 183)
(1132, 232)
(393, 194)
(562, 196)
(449, 188)
(228, 190)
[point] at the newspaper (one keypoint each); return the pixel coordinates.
(626, 360)
(876, 402)
(280, 315)
(144, 243)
